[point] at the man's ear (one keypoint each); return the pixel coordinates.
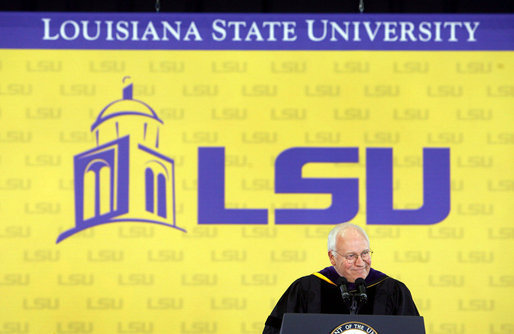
(331, 257)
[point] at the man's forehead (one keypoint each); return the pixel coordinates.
(350, 236)
(351, 233)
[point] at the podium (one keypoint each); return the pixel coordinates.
(309, 323)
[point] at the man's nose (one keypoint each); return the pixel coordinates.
(359, 261)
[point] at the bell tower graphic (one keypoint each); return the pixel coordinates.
(124, 178)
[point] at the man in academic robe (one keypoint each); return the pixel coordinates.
(350, 255)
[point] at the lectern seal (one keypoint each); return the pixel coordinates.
(353, 327)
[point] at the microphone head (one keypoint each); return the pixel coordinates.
(360, 281)
(342, 283)
(341, 280)
(361, 287)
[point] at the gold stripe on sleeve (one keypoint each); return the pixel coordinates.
(324, 278)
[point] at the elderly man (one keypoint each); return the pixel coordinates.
(350, 255)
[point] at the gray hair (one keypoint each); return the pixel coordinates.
(340, 230)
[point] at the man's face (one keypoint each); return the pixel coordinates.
(351, 243)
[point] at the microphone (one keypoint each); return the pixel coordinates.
(342, 282)
(361, 290)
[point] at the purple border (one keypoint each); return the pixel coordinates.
(27, 30)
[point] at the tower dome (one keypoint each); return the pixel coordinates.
(125, 106)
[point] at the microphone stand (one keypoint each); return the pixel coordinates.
(353, 301)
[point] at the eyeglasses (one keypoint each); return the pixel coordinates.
(351, 258)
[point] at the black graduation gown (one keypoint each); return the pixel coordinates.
(318, 293)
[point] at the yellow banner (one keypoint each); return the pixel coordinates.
(132, 277)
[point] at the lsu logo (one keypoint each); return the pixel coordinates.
(344, 191)
(124, 178)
